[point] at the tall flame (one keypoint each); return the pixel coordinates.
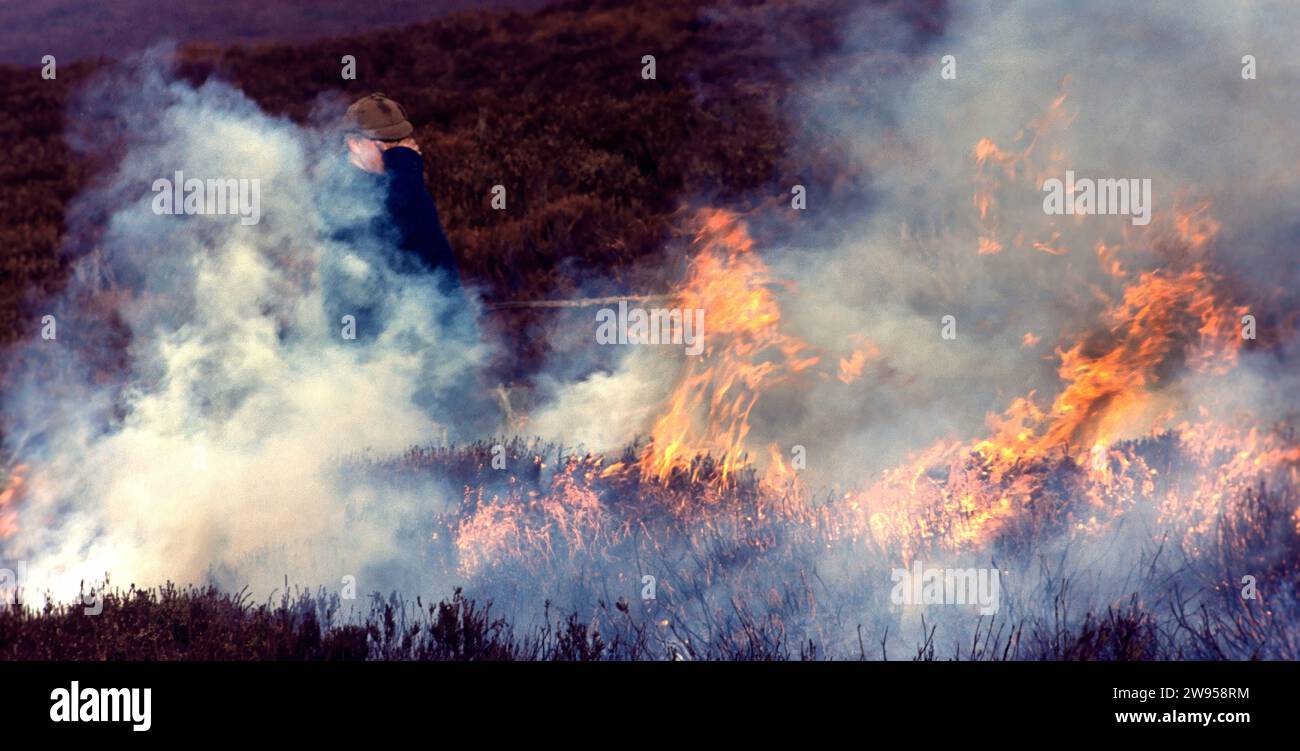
(745, 353)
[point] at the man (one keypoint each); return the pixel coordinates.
(379, 142)
(377, 207)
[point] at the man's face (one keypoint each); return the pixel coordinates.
(366, 153)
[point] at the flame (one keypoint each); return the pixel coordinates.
(988, 246)
(9, 501)
(1066, 464)
(1106, 389)
(1115, 434)
(1031, 161)
(960, 494)
(1195, 226)
(570, 514)
(964, 493)
(745, 352)
(777, 475)
(1106, 257)
(1050, 247)
(851, 367)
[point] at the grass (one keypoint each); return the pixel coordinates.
(203, 623)
(596, 161)
(740, 578)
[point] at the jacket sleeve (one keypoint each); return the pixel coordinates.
(414, 214)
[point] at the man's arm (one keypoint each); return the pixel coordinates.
(414, 213)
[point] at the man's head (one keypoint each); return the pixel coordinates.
(373, 124)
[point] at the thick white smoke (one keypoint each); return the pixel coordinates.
(215, 452)
(1154, 91)
(1149, 92)
(218, 453)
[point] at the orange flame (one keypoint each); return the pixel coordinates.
(9, 501)
(1033, 162)
(852, 366)
(744, 353)
(1064, 465)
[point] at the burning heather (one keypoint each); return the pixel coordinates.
(1113, 491)
(935, 417)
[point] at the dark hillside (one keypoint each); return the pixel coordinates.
(551, 105)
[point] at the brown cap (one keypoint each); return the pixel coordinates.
(377, 116)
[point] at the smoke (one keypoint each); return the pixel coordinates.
(1106, 90)
(606, 410)
(1153, 93)
(1150, 92)
(216, 451)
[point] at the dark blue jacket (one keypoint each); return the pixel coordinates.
(414, 217)
(388, 217)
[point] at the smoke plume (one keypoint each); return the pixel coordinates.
(214, 452)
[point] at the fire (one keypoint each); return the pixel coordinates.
(956, 495)
(1049, 246)
(535, 524)
(1106, 390)
(851, 367)
(1030, 161)
(1109, 263)
(1114, 446)
(777, 475)
(745, 353)
(959, 494)
(1117, 441)
(1195, 226)
(9, 501)
(988, 246)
